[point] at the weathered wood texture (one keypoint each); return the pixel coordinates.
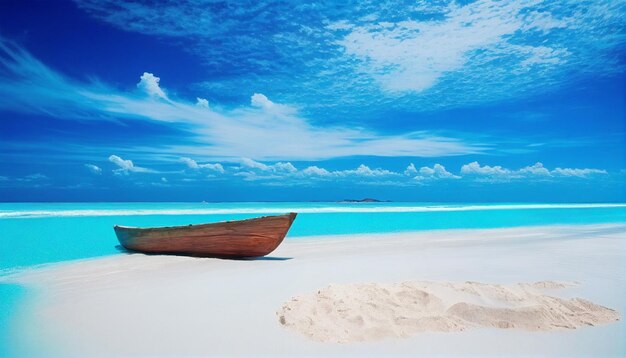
(241, 238)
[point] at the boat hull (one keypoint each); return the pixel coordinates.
(229, 239)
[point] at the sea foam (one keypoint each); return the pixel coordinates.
(353, 208)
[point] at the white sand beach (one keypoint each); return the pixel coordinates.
(502, 281)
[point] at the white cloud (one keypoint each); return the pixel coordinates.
(410, 170)
(94, 168)
(279, 167)
(33, 177)
(285, 173)
(340, 25)
(190, 163)
(36, 178)
(164, 180)
(216, 167)
(195, 165)
(361, 171)
(249, 163)
(246, 175)
(284, 167)
(261, 101)
(126, 166)
(254, 170)
(202, 102)
(317, 171)
(263, 176)
(536, 171)
(413, 55)
(149, 83)
(475, 168)
(438, 171)
(540, 55)
(574, 172)
(364, 170)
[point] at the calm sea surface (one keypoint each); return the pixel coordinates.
(38, 233)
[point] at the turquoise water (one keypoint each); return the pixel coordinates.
(38, 233)
(9, 297)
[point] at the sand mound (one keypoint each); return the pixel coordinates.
(364, 312)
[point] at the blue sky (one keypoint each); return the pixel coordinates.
(403, 100)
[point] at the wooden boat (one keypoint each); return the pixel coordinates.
(228, 239)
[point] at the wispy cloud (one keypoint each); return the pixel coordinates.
(418, 55)
(33, 177)
(452, 54)
(263, 130)
(413, 55)
(31, 180)
(94, 169)
(574, 172)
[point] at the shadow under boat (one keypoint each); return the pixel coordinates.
(124, 250)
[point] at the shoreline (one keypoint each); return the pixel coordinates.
(104, 301)
(425, 234)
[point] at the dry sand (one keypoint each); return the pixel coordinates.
(373, 311)
(138, 305)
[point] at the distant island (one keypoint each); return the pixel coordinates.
(366, 200)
